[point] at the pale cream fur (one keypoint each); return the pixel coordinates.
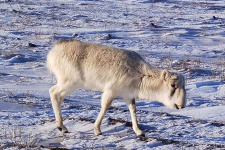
(114, 72)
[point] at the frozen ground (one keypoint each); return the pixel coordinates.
(186, 36)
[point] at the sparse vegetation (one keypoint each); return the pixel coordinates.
(195, 67)
(17, 137)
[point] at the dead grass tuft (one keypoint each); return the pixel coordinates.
(16, 137)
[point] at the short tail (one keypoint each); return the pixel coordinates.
(48, 63)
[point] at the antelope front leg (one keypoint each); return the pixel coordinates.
(106, 100)
(132, 108)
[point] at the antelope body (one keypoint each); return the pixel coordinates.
(114, 72)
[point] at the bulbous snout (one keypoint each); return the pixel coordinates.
(181, 101)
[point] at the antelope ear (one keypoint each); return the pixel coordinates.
(165, 75)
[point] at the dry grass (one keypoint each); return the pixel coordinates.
(16, 137)
(195, 67)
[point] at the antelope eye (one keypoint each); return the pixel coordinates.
(173, 85)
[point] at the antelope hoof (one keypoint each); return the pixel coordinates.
(139, 132)
(97, 132)
(63, 129)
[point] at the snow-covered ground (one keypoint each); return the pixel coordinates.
(187, 36)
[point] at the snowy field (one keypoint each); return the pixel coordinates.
(187, 36)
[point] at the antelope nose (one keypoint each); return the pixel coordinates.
(179, 106)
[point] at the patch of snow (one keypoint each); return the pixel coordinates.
(185, 36)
